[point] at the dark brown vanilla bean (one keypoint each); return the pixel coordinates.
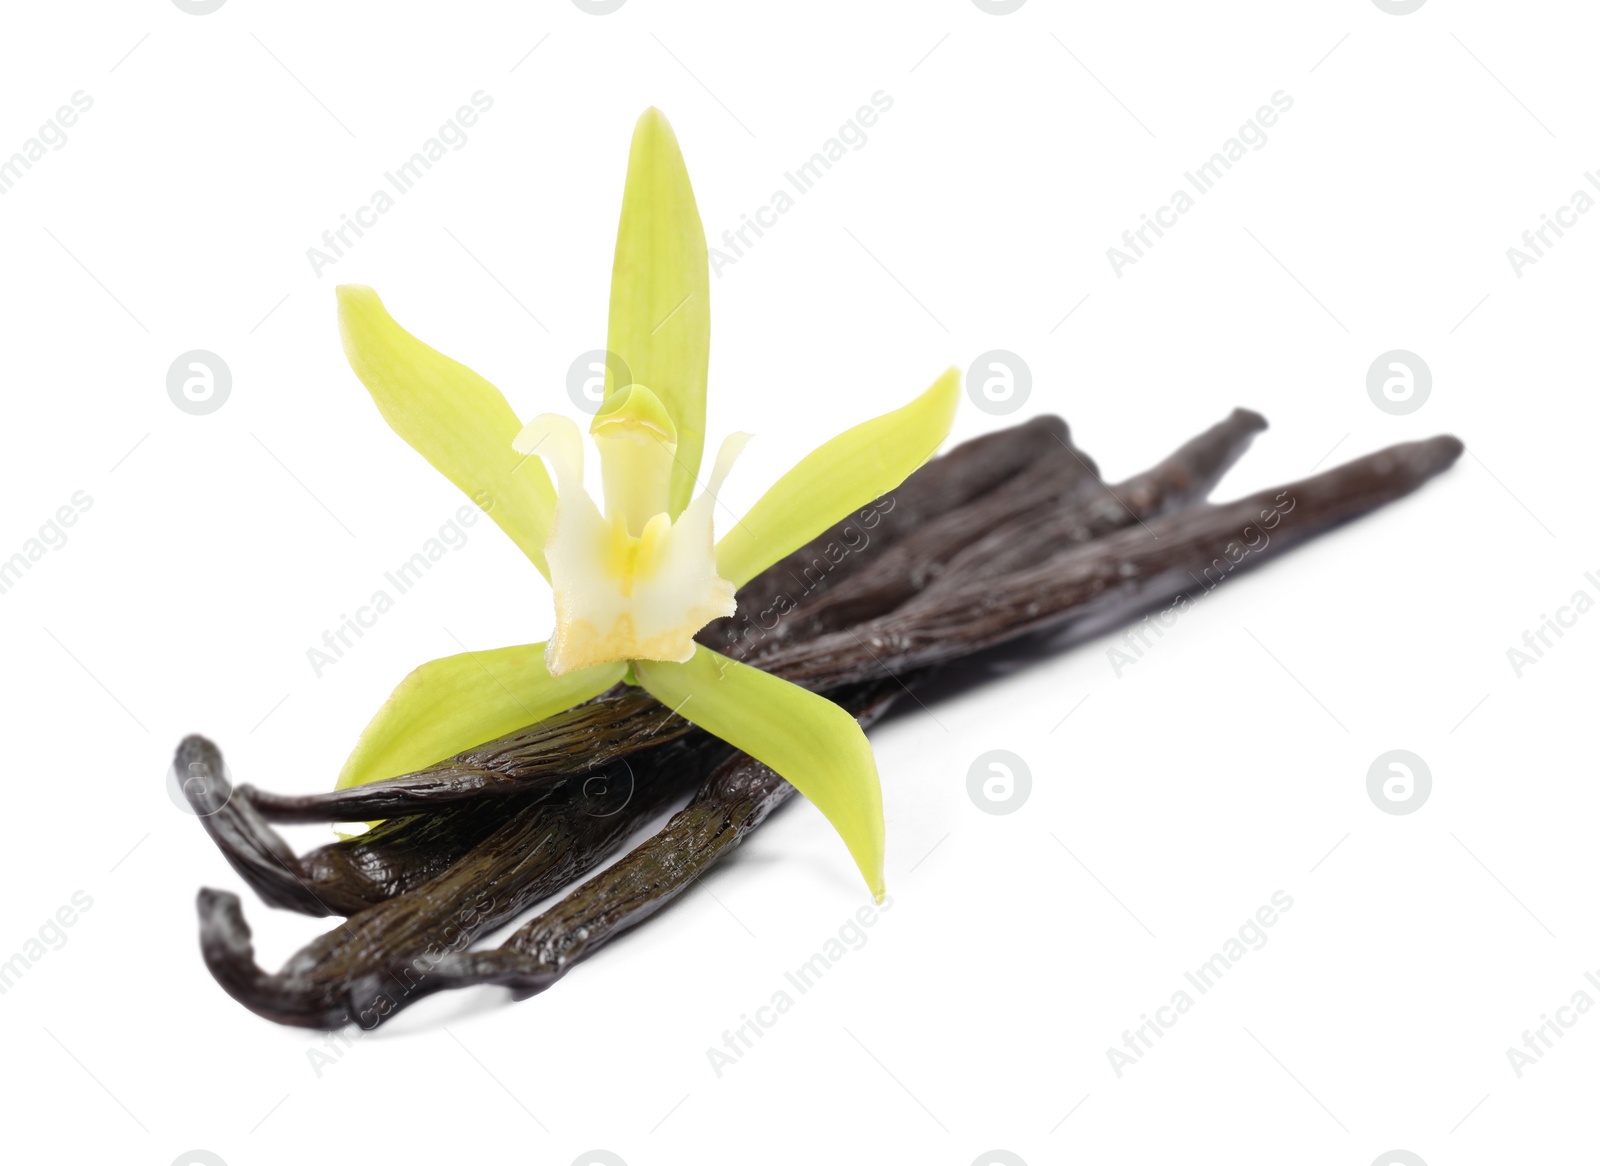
(345, 877)
(1193, 470)
(402, 854)
(573, 742)
(341, 978)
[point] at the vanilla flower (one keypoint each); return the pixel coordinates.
(634, 584)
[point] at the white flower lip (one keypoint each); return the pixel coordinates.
(634, 584)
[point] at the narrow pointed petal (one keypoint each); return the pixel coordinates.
(811, 742)
(456, 702)
(661, 294)
(839, 476)
(451, 416)
(556, 439)
(727, 453)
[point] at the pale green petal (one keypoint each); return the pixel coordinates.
(454, 703)
(811, 742)
(451, 416)
(839, 476)
(661, 294)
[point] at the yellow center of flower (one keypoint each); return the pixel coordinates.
(638, 583)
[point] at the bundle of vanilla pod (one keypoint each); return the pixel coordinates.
(1009, 535)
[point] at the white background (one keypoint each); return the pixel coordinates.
(978, 1014)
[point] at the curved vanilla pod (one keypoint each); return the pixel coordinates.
(259, 855)
(576, 741)
(394, 857)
